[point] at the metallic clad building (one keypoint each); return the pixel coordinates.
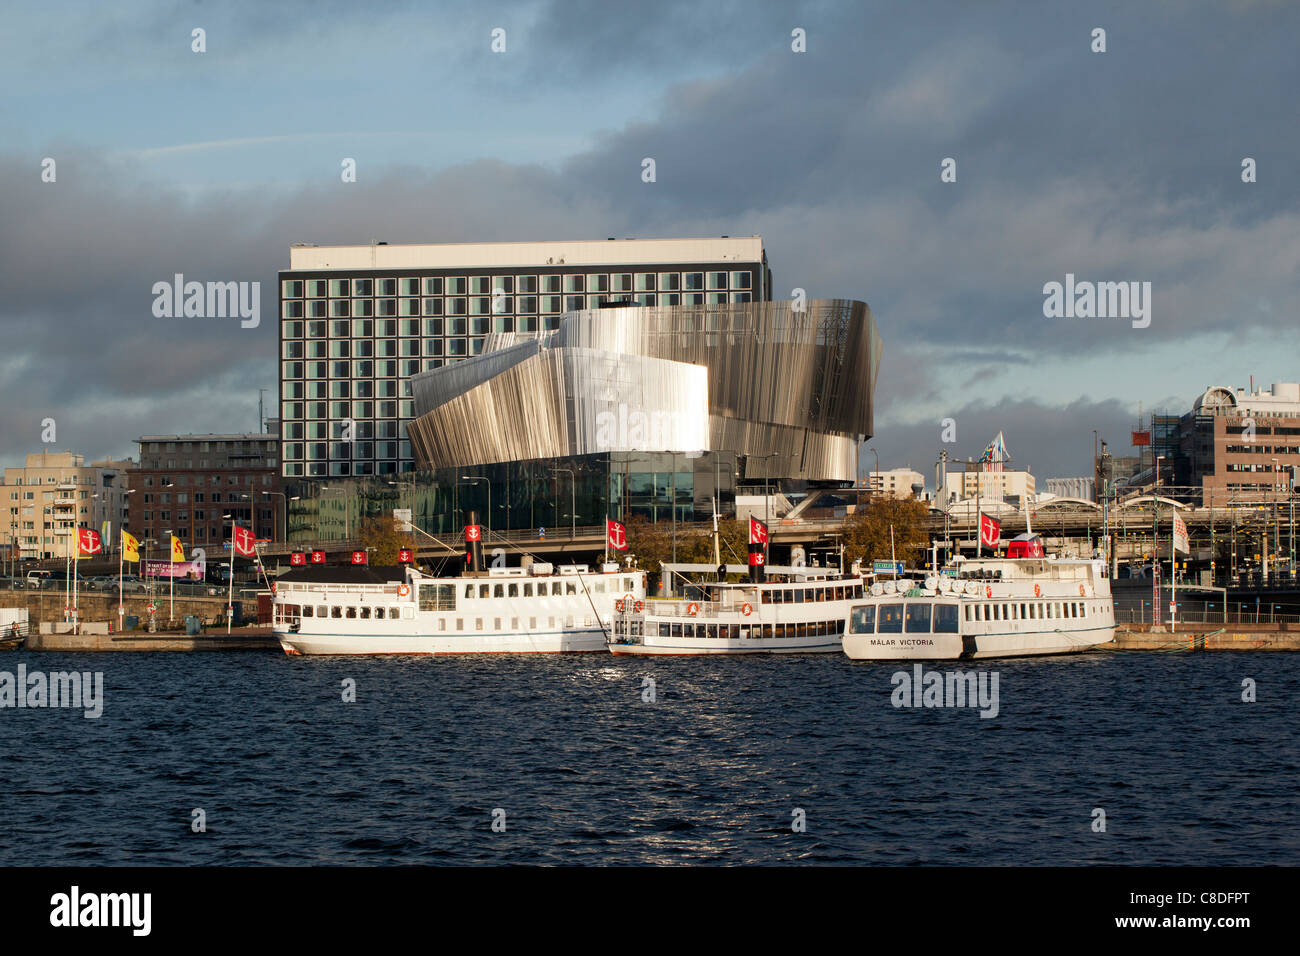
(789, 390)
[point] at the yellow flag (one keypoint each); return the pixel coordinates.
(178, 552)
(130, 547)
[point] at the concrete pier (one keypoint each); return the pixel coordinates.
(1207, 637)
(240, 639)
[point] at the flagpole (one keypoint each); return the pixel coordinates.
(230, 590)
(121, 556)
(171, 585)
(1173, 570)
(76, 556)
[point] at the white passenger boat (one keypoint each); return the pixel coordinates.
(986, 607)
(803, 612)
(533, 609)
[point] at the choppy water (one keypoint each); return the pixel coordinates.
(711, 772)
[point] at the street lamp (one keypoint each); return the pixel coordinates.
(573, 497)
(470, 479)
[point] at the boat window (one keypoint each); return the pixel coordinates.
(889, 619)
(396, 612)
(570, 587)
(808, 594)
(469, 591)
(322, 611)
(1083, 610)
(442, 624)
(478, 623)
(336, 611)
(765, 597)
(513, 591)
(532, 623)
(482, 590)
(499, 591)
(460, 624)
(802, 629)
(918, 618)
(945, 619)
(863, 620)
(352, 612)
(528, 589)
(365, 613)
(307, 610)
(496, 623)
(1024, 615)
(598, 587)
(379, 613)
(969, 617)
(555, 588)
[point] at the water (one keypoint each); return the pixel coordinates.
(711, 772)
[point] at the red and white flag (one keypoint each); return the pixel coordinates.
(616, 534)
(990, 531)
(404, 556)
(318, 557)
(89, 542)
(757, 532)
(244, 542)
(358, 557)
(1180, 535)
(298, 558)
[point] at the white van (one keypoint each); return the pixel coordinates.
(37, 579)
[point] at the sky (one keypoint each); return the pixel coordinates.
(1115, 166)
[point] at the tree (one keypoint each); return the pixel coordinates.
(383, 537)
(866, 532)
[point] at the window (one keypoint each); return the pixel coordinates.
(863, 620)
(917, 620)
(890, 619)
(945, 619)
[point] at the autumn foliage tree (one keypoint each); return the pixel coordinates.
(652, 543)
(866, 532)
(383, 537)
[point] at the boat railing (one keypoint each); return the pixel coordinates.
(681, 607)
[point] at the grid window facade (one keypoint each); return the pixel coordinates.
(349, 343)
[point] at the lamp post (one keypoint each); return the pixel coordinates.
(470, 479)
(573, 498)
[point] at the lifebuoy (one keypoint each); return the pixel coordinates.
(403, 590)
(639, 607)
(988, 590)
(618, 605)
(746, 610)
(1037, 591)
(1081, 591)
(692, 609)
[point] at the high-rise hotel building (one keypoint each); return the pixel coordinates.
(357, 322)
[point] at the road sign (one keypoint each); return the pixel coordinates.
(887, 567)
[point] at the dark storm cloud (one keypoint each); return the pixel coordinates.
(1122, 165)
